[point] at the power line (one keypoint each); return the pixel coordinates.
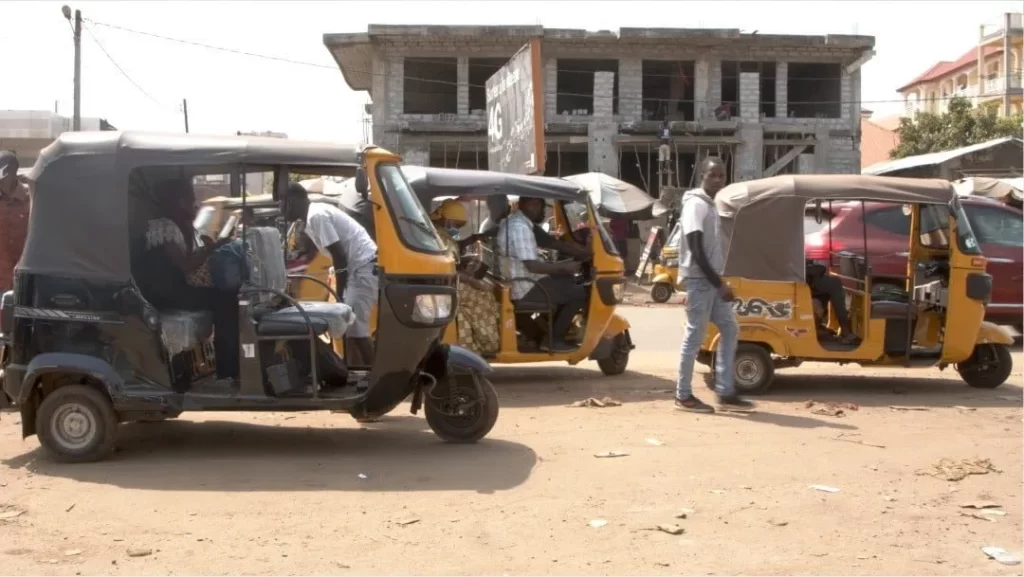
(481, 86)
(120, 69)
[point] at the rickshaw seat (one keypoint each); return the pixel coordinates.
(530, 307)
(182, 331)
(331, 318)
(891, 310)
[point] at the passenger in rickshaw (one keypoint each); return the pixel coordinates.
(517, 248)
(353, 253)
(174, 271)
(827, 289)
(478, 312)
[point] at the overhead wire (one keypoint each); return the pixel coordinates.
(442, 82)
(121, 69)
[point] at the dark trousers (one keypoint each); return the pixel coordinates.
(568, 297)
(829, 289)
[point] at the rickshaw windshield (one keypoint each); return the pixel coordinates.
(965, 239)
(413, 223)
(576, 214)
(935, 226)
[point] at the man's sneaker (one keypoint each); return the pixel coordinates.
(735, 403)
(692, 404)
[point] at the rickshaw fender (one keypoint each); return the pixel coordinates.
(990, 332)
(462, 360)
(759, 334)
(616, 326)
(661, 278)
(72, 363)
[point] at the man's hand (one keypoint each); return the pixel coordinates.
(569, 267)
(726, 293)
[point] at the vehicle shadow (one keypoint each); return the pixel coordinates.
(395, 455)
(553, 385)
(875, 391)
(761, 416)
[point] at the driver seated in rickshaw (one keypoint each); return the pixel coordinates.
(542, 282)
(174, 271)
(828, 290)
(479, 313)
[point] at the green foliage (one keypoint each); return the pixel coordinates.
(961, 125)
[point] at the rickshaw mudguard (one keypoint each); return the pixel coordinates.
(616, 326)
(73, 363)
(990, 332)
(661, 278)
(463, 360)
(755, 333)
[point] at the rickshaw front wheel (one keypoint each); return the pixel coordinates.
(990, 366)
(77, 424)
(617, 361)
(461, 408)
(661, 292)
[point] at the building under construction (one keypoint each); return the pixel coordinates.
(767, 104)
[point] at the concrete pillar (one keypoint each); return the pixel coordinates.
(601, 149)
(822, 150)
(782, 89)
(462, 96)
(396, 86)
(416, 155)
(847, 111)
(379, 95)
(631, 88)
(750, 97)
(714, 85)
(805, 164)
(750, 154)
(550, 88)
(604, 92)
(702, 108)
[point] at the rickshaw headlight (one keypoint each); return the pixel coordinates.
(672, 263)
(431, 308)
(618, 290)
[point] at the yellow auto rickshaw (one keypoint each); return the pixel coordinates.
(934, 319)
(665, 279)
(601, 334)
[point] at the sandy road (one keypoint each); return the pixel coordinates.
(286, 493)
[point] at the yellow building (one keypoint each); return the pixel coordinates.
(991, 72)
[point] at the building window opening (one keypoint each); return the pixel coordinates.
(430, 86)
(576, 85)
(464, 156)
(814, 90)
(730, 84)
(566, 160)
(481, 69)
(668, 90)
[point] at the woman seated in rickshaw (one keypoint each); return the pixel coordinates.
(478, 312)
(176, 271)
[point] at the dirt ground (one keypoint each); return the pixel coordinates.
(313, 493)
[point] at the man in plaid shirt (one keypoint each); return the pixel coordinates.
(14, 210)
(520, 259)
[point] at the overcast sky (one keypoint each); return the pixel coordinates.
(229, 92)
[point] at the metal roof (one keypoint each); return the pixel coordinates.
(933, 158)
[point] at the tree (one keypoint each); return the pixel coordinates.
(961, 125)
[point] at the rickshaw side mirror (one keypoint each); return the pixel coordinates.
(362, 182)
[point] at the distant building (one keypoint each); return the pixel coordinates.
(27, 132)
(878, 137)
(989, 72)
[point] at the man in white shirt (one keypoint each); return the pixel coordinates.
(517, 249)
(353, 253)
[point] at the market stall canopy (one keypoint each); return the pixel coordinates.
(1009, 190)
(614, 196)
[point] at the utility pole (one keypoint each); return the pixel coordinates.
(76, 123)
(184, 109)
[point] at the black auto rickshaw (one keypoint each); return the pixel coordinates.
(85, 350)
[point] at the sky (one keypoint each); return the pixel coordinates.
(228, 92)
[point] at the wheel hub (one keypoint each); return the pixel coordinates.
(73, 426)
(747, 371)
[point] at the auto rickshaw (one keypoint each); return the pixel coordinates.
(935, 319)
(605, 335)
(86, 351)
(665, 279)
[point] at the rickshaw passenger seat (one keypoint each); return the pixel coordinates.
(183, 331)
(891, 310)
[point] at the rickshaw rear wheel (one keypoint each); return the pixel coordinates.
(617, 361)
(753, 370)
(457, 413)
(990, 366)
(661, 292)
(77, 424)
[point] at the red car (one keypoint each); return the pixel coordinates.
(998, 227)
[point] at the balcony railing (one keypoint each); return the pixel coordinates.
(996, 86)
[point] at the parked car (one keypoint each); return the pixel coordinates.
(998, 227)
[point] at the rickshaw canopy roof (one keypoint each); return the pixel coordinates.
(762, 220)
(80, 223)
(436, 183)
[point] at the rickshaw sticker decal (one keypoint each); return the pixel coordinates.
(796, 332)
(755, 307)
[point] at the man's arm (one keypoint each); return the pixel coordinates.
(692, 223)
(340, 262)
(321, 231)
(522, 245)
(547, 240)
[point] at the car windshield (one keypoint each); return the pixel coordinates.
(414, 226)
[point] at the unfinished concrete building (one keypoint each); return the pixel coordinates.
(768, 104)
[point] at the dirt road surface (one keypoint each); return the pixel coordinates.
(313, 493)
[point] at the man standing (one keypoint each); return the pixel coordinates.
(708, 298)
(517, 249)
(353, 253)
(14, 210)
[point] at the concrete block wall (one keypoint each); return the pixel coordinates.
(602, 151)
(631, 83)
(750, 96)
(463, 88)
(750, 154)
(702, 90)
(604, 94)
(781, 89)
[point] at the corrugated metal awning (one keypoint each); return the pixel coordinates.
(933, 158)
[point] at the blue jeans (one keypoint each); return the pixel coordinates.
(703, 305)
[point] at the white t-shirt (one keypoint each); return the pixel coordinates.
(327, 224)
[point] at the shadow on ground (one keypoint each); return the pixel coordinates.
(552, 385)
(873, 391)
(395, 455)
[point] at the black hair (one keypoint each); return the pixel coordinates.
(297, 190)
(710, 163)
